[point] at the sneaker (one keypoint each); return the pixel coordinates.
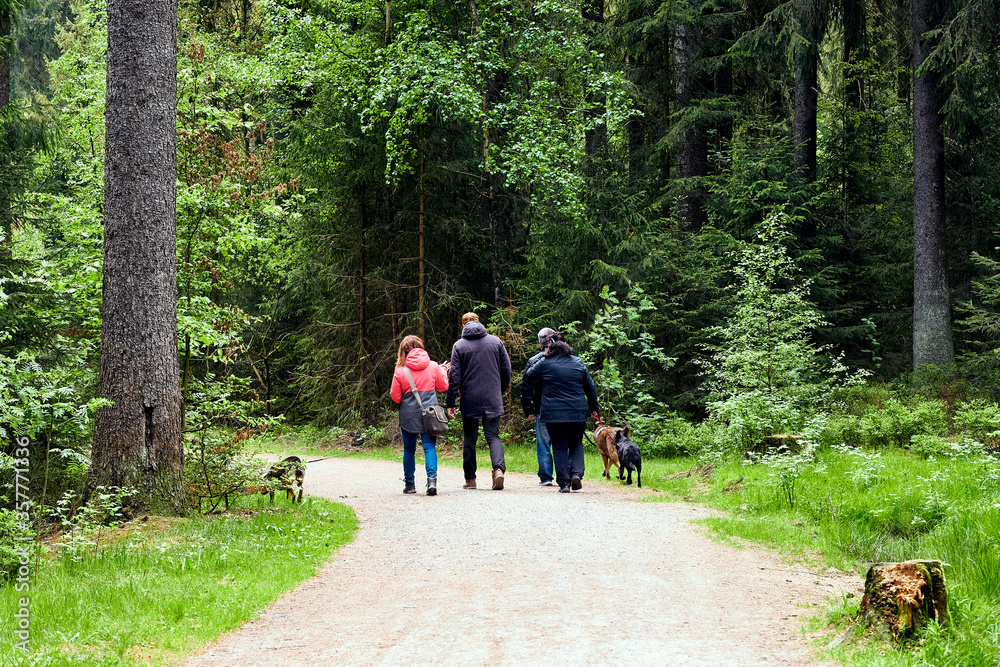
(576, 484)
(469, 484)
(545, 482)
(563, 489)
(498, 480)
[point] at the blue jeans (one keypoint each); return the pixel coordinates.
(543, 448)
(410, 454)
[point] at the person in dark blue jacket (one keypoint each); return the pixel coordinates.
(559, 391)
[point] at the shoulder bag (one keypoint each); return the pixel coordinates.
(434, 417)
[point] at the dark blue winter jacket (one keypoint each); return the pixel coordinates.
(480, 373)
(567, 391)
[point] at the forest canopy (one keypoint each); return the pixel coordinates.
(352, 172)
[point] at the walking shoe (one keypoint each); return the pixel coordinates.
(469, 484)
(497, 479)
(563, 489)
(545, 482)
(410, 487)
(432, 486)
(576, 484)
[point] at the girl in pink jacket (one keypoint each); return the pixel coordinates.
(429, 378)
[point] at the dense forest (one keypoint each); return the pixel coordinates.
(714, 199)
(768, 227)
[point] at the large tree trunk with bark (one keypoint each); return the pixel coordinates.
(932, 341)
(6, 224)
(806, 101)
(854, 37)
(137, 440)
(5, 50)
(597, 138)
(692, 148)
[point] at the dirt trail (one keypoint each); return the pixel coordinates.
(527, 576)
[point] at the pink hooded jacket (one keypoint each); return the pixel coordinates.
(427, 375)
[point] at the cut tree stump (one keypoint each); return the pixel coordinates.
(902, 597)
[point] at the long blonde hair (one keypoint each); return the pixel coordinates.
(406, 346)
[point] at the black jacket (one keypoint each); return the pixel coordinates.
(567, 391)
(480, 373)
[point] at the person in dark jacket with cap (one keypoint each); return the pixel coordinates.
(567, 396)
(479, 374)
(543, 446)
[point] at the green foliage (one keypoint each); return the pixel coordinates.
(217, 470)
(980, 419)
(765, 374)
(82, 525)
(15, 535)
(619, 351)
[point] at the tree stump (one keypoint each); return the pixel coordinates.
(902, 597)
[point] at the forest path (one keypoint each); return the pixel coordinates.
(527, 576)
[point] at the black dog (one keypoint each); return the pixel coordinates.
(285, 476)
(629, 457)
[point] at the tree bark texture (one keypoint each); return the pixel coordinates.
(137, 441)
(902, 597)
(597, 138)
(806, 101)
(5, 49)
(6, 224)
(854, 36)
(692, 148)
(932, 340)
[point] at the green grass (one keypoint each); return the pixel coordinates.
(154, 595)
(849, 510)
(845, 509)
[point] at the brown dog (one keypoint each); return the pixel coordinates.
(285, 476)
(605, 437)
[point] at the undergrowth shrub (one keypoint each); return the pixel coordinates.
(980, 420)
(218, 469)
(13, 534)
(671, 436)
(764, 375)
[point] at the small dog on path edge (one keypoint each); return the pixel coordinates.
(286, 475)
(629, 457)
(604, 438)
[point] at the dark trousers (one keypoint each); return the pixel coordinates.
(567, 449)
(470, 431)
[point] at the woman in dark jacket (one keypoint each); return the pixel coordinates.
(559, 391)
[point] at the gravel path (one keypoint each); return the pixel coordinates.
(526, 576)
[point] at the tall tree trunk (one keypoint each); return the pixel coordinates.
(388, 22)
(932, 341)
(597, 138)
(5, 50)
(6, 224)
(363, 277)
(636, 147)
(806, 100)
(723, 39)
(854, 35)
(422, 286)
(137, 440)
(692, 149)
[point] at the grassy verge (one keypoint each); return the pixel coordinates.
(844, 508)
(168, 586)
(848, 509)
